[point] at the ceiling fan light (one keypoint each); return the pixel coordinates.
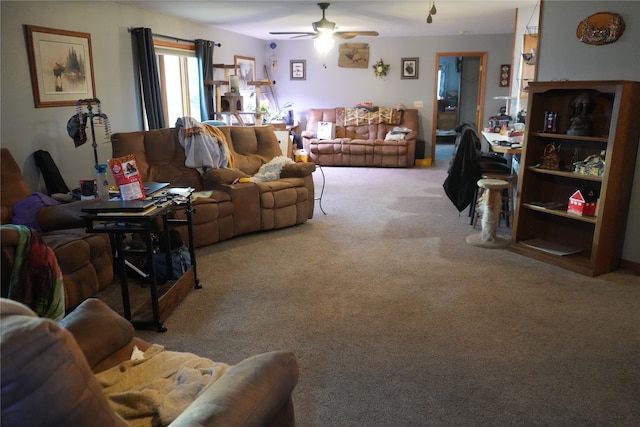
(324, 43)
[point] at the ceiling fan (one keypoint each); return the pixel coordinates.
(324, 26)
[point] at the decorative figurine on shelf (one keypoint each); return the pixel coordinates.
(551, 157)
(550, 122)
(581, 108)
(592, 165)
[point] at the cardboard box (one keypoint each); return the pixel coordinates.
(326, 130)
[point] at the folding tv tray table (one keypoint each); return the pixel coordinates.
(117, 225)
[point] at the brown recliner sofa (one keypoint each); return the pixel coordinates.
(58, 375)
(231, 209)
(361, 137)
(85, 259)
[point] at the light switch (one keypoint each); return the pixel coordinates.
(418, 104)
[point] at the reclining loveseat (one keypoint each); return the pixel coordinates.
(362, 137)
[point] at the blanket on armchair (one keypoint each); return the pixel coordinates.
(155, 389)
(36, 279)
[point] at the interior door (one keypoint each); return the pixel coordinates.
(469, 70)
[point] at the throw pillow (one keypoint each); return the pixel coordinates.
(394, 136)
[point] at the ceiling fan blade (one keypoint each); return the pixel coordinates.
(292, 32)
(352, 34)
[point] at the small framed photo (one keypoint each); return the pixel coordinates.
(61, 66)
(298, 69)
(409, 68)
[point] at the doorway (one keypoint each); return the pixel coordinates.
(459, 94)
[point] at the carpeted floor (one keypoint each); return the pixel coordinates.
(397, 321)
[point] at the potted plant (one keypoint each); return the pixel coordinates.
(280, 113)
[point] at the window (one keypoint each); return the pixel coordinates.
(179, 80)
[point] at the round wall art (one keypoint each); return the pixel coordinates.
(601, 28)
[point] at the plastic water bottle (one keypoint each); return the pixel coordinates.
(102, 182)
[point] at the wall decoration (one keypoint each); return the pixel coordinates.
(409, 68)
(246, 69)
(298, 69)
(380, 69)
(601, 28)
(353, 55)
(505, 75)
(61, 66)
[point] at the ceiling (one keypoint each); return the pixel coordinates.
(389, 18)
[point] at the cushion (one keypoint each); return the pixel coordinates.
(93, 315)
(25, 211)
(394, 136)
(46, 380)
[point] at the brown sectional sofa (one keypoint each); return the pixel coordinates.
(360, 137)
(232, 209)
(85, 259)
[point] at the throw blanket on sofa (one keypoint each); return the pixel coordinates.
(157, 388)
(363, 116)
(36, 279)
(271, 171)
(205, 146)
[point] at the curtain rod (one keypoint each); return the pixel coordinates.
(178, 39)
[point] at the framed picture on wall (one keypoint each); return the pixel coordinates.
(61, 66)
(409, 68)
(245, 69)
(505, 75)
(298, 69)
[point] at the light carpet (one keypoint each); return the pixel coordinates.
(396, 321)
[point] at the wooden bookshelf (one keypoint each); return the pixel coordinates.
(593, 243)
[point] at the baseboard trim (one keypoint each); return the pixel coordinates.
(630, 265)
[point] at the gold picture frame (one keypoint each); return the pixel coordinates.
(245, 70)
(61, 66)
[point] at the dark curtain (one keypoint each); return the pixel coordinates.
(149, 76)
(204, 53)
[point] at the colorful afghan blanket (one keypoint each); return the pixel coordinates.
(36, 279)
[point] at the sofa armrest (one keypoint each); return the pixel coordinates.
(98, 330)
(215, 177)
(64, 216)
(297, 170)
(251, 393)
(307, 134)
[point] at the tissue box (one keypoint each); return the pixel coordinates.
(326, 130)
